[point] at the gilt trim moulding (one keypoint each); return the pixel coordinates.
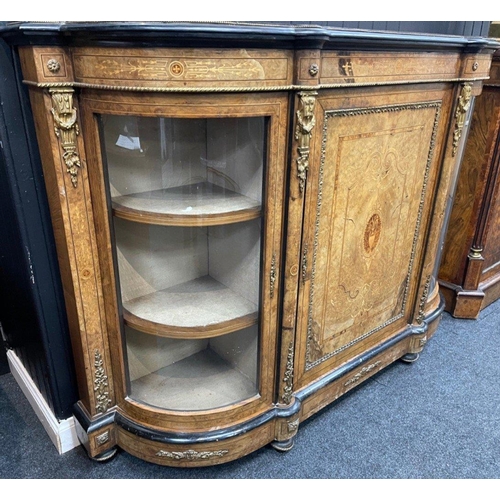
(124, 88)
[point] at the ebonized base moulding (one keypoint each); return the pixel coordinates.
(248, 218)
(470, 268)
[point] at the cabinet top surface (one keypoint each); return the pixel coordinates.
(233, 34)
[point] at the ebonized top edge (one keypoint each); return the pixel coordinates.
(235, 34)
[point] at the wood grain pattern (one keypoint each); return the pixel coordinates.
(358, 68)
(355, 273)
(180, 67)
(271, 105)
(470, 263)
(367, 208)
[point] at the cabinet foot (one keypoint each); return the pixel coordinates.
(286, 445)
(104, 457)
(410, 357)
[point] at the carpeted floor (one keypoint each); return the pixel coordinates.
(436, 418)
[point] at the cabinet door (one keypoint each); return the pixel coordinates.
(373, 169)
(189, 191)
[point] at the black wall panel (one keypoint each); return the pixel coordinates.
(31, 307)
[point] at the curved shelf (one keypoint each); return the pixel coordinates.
(201, 308)
(202, 381)
(198, 204)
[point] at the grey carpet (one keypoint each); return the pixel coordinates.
(436, 418)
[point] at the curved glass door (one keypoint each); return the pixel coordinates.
(186, 200)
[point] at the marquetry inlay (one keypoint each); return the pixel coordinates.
(369, 253)
(372, 233)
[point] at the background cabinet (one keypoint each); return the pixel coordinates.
(470, 267)
(352, 141)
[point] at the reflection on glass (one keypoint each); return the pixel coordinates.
(182, 167)
(192, 374)
(186, 196)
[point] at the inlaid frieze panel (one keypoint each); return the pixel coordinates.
(371, 190)
(173, 68)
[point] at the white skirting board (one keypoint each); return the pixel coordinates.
(61, 432)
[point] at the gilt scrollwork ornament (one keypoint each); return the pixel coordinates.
(464, 103)
(66, 129)
(293, 425)
(288, 376)
(362, 373)
(100, 384)
(303, 133)
(191, 454)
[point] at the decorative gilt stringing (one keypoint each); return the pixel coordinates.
(66, 129)
(272, 277)
(423, 300)
(464, 103)
(192, 454)
(288, 377)
(303, 132)
(370, 231)
(304, 263)
(100, 384)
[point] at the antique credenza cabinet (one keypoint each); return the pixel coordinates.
(470, 268)
(248, 218)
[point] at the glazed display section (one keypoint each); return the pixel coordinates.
(248, 219)
(189, 262)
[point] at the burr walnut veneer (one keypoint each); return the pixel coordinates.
(248, 219)
(470, 267)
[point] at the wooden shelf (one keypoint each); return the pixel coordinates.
(203, 203)
(199, 382)
(200, 308)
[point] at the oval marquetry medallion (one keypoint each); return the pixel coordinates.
(372, 233)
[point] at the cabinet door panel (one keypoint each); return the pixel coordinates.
(367, 197)
(186, 247)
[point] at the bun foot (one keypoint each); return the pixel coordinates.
(104, 457)
(284, 445)
(410, 357)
